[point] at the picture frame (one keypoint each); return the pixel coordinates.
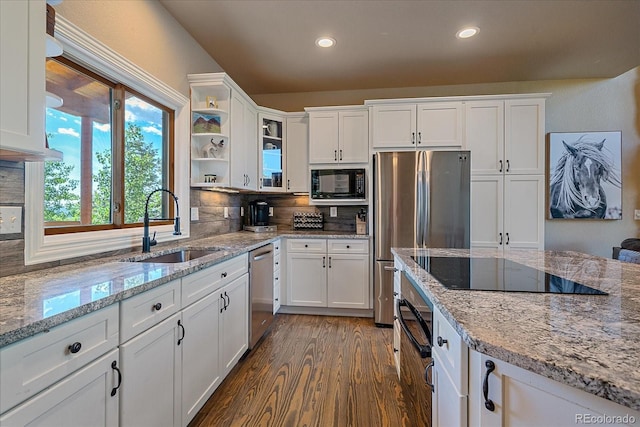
(585, 175)
(205, 123)
(212, 102)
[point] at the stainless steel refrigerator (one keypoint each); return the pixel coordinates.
(421, 199)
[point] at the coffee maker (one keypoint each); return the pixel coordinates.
(258, 213)
(258, 217)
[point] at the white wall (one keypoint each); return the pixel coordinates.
(144, 33)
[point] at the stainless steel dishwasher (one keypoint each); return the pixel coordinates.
(260, 292)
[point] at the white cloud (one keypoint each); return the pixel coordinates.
(64, 119)
(68, 131)
(102, 128)
(151, 129)
(138, 103)
(129, 116)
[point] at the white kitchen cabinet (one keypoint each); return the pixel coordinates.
(523, 398)
(328, 273)
(151, 365)
(450, 374)
(210, 129)
(34, 364)
(272, 148)
(233, 307)
(22, 79)
(505, 136)
(88, 397)
(277, 275)
(427, 124)
(200, 355)
(297, 155)
(348, 273)
(244, 137)
(507, 211)
(338, 135)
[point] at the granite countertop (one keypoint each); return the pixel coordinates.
(590, 342)
(31, 303)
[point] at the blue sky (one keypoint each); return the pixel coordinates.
(67, 129)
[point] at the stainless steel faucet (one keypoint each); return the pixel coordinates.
(147, 241)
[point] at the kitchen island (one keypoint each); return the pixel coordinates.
(589, 342)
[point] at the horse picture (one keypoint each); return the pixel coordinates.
(585, 181)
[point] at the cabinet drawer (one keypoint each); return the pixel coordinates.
(276, 247)
(348, 246)
(201, 283)
(452, 351)
(35, 363)
(307, 245)
(141, 312)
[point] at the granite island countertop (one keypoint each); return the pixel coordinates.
(590, 342)
(30, 303)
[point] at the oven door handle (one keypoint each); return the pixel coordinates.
(423, 350)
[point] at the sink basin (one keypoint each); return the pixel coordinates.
(183, 255)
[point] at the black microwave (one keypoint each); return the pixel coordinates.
(338, 184)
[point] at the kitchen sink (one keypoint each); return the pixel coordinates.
(182, 255)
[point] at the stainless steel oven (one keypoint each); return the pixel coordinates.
(413, 322)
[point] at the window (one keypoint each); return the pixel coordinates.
(136, 88)
(117, 148)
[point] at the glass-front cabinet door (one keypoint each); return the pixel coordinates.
(271, 155)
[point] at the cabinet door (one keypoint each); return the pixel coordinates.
(348, 281)
(271, 151)
(238, 145)
(524, 136)
(449, 407)
(484, 136)
(307, 279)
(353, 135)
(297, 154)
(439, 124)
(22, 76)
(200, 361)
(82, 399)
(234, 322)
(486, 211)
(151, 369)
(523, 398)
(524, 211)
(251, 146)
(393, 126)
(323, 137)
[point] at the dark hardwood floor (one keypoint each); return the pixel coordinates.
(314, 371)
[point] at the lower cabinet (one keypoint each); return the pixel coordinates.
(328, 273)
(448, 405)
(200, 359)
(233, 303)
(88, 397)
(152, 371)
(516, 396)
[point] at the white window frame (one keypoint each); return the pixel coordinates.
(89, 52)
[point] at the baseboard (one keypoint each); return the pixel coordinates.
(326, 311)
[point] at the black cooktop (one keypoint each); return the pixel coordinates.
(497, 274)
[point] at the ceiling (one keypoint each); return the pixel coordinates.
(268, 46)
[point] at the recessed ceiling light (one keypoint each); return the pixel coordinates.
(325, 42)
(465, 33)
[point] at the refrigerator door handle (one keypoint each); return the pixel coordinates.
(426, 198)
(419, 202)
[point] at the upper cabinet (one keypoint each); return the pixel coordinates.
(416, 125)
(338, 135)
(244, 137)
(210, 126)
(505, 136)
(297, 155)
(24, 45)
(271, 151)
